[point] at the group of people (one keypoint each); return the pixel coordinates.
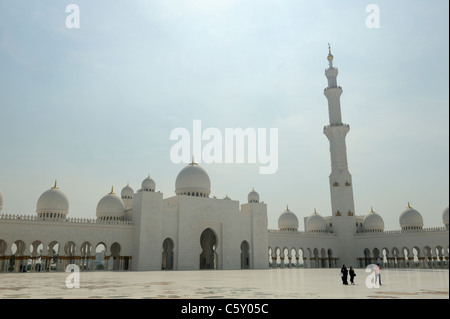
(346, 272)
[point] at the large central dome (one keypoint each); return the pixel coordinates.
(193, 181)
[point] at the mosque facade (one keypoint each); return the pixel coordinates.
(141, 230)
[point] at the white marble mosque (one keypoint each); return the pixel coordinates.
(143, 230)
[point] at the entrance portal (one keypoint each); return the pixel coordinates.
(167, 255)
(245, 255)
(208, 257)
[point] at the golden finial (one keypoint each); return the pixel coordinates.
(409, 206)
(193, 161)
(371, 209)
(112, 190)
(287, 208)
(330, 56)
(56, 187)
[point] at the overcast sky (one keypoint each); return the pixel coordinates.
(94, 106)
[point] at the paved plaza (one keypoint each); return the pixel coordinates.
(233, 284)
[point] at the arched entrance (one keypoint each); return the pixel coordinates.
(70, 249)
(4, 260)
(167, 254)
(18, 259)
(115, 254)
(367, 258)
(208, 242)
(36, 249)
(245, 255)
(85, 256)
(100, 252)
(52, 258)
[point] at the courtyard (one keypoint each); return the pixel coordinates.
(225, 284)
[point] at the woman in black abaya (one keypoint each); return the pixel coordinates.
(344, 274)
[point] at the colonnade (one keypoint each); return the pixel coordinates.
(306, 258)
(436, 262)
(60, 263)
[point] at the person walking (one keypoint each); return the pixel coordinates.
(344, 274)
(352, 274)
(377, 269)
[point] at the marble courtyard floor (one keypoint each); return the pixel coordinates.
(230, 284)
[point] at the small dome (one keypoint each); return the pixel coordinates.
(193, 181)
(373, 222)
(410, 219)
(127, 192)
(316, 223)
(1, 201)
(288, 221)
(110, 207)
(148, 185)
(53, 203)
(253, 197)
(226, 197)
(444, 214)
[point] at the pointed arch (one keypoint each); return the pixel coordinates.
(167, 254)
(115, 254)
(208, 243)
(245, 255)
(100, 254)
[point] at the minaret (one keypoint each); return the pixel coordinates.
(340, 179)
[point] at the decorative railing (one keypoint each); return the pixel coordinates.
(71, 220)
(403, 231)
(331, 125)
(298, 233)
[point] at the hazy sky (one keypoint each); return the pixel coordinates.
(94, 107)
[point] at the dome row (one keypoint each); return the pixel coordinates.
(372, 222)
(53, 203)
(191, 181)
(288, 221)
